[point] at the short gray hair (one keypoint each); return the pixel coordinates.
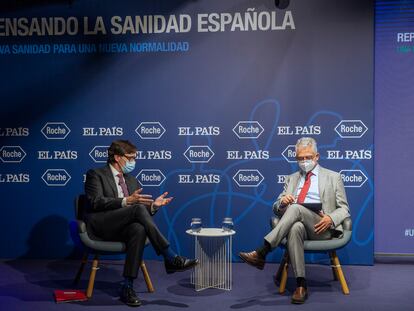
(306, 142)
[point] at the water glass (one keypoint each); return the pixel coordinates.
(228, 224)
(196, 224)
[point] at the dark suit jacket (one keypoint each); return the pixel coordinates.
(102, 196)
(101, 190)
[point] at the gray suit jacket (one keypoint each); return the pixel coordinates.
(331, 191)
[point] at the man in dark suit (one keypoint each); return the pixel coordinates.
(120, 212)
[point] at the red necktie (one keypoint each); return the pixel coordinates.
(123, 184)
(305, 188)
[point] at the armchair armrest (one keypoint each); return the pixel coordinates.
(347, 224)
(81, 226)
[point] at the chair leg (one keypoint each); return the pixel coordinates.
(91, 283)
(82, 266)
(147, 278)
(334, 270)
(281, 265)
(340, 274)
(283, 279)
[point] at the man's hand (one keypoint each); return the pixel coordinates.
(324, 224)
(138, 198)
(162, 200)
(287, 199)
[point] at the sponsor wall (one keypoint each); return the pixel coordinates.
(213, 93)
(394, 115)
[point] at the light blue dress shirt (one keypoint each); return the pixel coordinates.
(313, 193)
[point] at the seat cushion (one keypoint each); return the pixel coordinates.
(98, 244)
(102, 246)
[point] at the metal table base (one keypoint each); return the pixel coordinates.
(213, 249)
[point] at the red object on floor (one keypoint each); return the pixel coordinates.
(69, 295)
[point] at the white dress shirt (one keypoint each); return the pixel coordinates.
(121, 194)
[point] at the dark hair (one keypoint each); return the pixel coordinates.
(120, 147)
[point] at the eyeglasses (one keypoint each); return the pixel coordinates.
(129, 158)
(304, 158)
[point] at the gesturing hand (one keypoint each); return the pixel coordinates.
(137, 197)
(324, 224)
(162, 200)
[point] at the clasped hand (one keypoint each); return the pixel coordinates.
(287, 199)
(324, 224)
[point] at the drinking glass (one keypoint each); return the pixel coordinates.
(228, 224)
(196, 224)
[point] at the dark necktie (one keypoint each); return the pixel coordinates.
(305, 188)
(123, 185)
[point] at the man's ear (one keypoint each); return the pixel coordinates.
(117, 158)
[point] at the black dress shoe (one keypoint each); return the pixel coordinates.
(179, 263)
(253, 259)
(129, 297)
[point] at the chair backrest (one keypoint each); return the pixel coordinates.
(80, 206)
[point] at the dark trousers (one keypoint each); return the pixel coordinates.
(131, 225)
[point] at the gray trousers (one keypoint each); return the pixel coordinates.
(297, 224)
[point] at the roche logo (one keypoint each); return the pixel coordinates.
(150, 130)
(12, 154)
(150, 177)
(199, 154)
(353, 178)
(99, 154)
(55, 130)
(290, 154)
(248, 129)
(56, 177)
(351, 129)
(248, 178)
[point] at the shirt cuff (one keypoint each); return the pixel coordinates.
(154, 209)
(124, 202)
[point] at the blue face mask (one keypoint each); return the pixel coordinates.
(128, 167)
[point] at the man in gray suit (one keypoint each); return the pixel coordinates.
(312, 184)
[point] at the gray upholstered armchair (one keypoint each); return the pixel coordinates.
(326, 246)
(95, 246)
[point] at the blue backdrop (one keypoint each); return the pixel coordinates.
(394, 134)
(214, 111)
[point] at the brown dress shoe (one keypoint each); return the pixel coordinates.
(300, 295)
(253, 259)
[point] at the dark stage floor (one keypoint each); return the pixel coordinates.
(29, 285)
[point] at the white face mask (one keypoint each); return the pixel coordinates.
(306, 165)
